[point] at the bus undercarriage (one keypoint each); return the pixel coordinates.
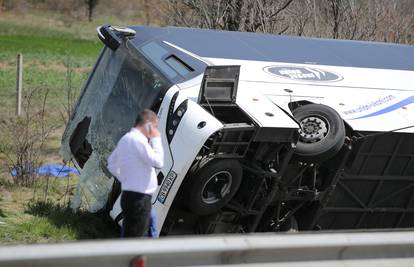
(367, 184)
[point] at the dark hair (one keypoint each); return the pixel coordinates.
(144, 116)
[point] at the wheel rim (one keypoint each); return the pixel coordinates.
(216, 187)
(313, 129)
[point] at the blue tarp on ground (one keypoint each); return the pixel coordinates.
(52, 170)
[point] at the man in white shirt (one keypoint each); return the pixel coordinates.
(133, 162)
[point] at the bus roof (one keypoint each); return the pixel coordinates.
(279, 48)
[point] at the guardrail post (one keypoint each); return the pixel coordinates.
(19, 84)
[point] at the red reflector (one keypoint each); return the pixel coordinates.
(138, 262)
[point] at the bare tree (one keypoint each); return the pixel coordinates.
(71, 93)
(345, 19)
(379, 20)
(91, 4)
(9, 4)
(234, 15)
(299, 15)
(397, 24)
(147, 12)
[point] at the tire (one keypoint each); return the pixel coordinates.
(322, 132)
(212, 186)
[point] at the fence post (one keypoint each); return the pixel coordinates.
(19, 84)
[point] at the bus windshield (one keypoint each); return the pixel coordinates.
(121, 85)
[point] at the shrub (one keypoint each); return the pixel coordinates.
(23, 138)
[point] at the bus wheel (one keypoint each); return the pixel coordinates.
(213, 186)
(321, 133)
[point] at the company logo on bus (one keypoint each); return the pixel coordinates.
(299, 73)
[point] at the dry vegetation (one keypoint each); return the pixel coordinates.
(379, 20)
(373, 20)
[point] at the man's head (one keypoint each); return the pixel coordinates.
(146, 117)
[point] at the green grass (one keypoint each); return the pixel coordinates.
(47, 50)
(28, 215)
(49, 222)
(50, 24)
(36, 230)
(78, 225)
(49, 45)
(13, 27)
(50, 49)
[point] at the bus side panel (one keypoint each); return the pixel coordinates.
(196, 126)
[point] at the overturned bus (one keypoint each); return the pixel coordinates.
(260, 132)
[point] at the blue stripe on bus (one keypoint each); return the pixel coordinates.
(398, 105)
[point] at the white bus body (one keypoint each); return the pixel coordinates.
(256, 137)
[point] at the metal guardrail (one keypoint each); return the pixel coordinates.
(298, 249)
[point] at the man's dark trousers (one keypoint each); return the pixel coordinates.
(136, 210)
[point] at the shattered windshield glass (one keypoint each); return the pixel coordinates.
(121, 85)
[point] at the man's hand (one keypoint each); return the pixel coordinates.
(154, 132)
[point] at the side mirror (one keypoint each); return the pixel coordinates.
(112, 36)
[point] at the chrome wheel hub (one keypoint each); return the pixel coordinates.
(313, 129)
(216, 187)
